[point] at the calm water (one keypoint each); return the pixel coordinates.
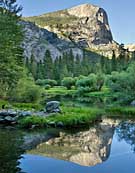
(108, 147)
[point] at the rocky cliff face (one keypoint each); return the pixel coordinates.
(38, 40)
(81, 27)
(93, 25)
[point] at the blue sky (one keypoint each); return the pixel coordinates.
(121, 13)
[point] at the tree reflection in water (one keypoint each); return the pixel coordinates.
(126, 131)
(10, 151)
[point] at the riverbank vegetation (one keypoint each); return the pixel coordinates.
(76, 117)
(73, 117)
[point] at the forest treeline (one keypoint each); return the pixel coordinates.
(69, 65)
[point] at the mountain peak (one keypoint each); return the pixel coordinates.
(83, 10)
(81, 27)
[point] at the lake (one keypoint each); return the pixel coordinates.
(105, 147)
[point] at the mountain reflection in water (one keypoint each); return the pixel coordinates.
(110, 142)
(86, 148)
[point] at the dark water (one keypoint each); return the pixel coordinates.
(108, 147)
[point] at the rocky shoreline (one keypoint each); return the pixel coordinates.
(11, 116)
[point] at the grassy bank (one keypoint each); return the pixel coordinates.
(58, 91)
(77, 116)
(70, 117)
(73, 115)
(121, 112)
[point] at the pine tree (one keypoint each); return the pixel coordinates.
(11, 54)
(77, 67)
(113, 62)
(70, 63)
(56, 69)
(27, 64)
(60, 66)
(33, 67)
(85, 64)
(133, 56)
(48, 66)
(103, 63)
(39, 72)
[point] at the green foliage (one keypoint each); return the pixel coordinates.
(11, 36)
(48, 65)
(26, 91)
(47, 86)
(66, 65)
(26, 106)
(118, 111)
(59, 91)
(46, 82)
(122, 85)
(32, 67)
(89, 84)
(68, 82)
(3, 102)
(38, 121)
(75, 116)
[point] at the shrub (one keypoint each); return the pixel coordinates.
(47, 87)
(68, 82)
(122, 86)
(26, 91)
(90, 84)
(46, 82)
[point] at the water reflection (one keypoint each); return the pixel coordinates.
(126, 131)
(10, 151)
(110, 142)
(86, 148)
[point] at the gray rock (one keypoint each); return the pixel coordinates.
(33, 126)
(12, 113)
(1, 120)
(25, 113)
(60, 124)
(132, 103)
(41, 113)
(8, 112)
(52, 124)
(11, 116)
(53, 107)
(9, 119)
(3, 113)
